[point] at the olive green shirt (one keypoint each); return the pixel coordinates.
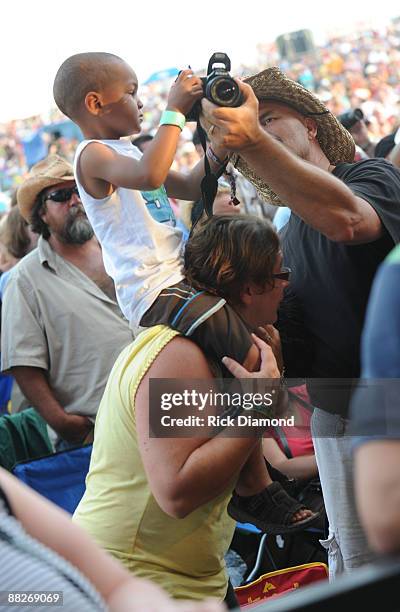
(56, 318)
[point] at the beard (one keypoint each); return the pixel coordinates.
(77, 228)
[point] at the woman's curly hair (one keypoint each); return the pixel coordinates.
(228, 251)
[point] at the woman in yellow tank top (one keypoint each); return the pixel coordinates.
(159, 504)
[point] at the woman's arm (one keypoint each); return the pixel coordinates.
(53, 527)
(185, 473)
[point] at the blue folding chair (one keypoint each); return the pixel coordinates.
(59, 477)
(6, 383)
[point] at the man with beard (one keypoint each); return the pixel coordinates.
(61, 326)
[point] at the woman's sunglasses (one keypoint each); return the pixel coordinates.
(284, 274)
(61, 195)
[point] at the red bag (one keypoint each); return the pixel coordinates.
(279, 582)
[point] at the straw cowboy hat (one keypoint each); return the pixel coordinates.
(334, 140)
(50, 171)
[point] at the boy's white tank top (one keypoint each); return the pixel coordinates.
(142, 248)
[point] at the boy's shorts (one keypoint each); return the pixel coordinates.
(204, 318)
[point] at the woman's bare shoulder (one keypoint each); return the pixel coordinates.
(181, 358)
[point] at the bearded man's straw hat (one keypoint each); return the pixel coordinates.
(50, 171)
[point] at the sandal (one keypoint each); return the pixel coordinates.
(271, 511)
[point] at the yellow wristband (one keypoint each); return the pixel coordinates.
(173, 118)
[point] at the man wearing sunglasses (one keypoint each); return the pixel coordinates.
(72, 227)
(62, 328)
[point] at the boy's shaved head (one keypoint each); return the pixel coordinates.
(80, 74)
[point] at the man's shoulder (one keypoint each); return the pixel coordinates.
(27, 266)
(376, 181)
(367, 169)
(379, 162)
(29, 273)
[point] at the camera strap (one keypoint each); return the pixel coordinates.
(209, 182)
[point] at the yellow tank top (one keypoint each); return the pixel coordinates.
(184, 556)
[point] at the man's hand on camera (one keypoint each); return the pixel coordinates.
(235, 128)
(186, 90)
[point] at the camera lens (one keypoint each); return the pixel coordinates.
(358, 114)
(224, 92)
(349, 118)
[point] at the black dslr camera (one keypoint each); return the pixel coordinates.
(351, 117)
(218, 86)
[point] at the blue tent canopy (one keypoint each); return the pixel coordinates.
(66, 128)
(161, 75)
(35, 148)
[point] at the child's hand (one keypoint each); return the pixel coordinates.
(184, 92)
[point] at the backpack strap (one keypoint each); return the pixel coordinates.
(284, 441)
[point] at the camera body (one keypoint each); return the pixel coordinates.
(218, 86)
(351, 117)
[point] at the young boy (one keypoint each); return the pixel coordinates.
(127, 204)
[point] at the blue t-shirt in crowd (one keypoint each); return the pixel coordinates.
(375, 407)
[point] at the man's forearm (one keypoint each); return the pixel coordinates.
(36, 389)
(315, 195)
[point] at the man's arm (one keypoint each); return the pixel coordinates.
(186, 473)
(34, 385)
(25, 352)
(319, 198)
(377, 483)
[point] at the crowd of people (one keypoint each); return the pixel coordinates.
(105, 292)
(357, 70)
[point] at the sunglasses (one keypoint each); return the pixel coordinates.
(61, 195)
(283, 275)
